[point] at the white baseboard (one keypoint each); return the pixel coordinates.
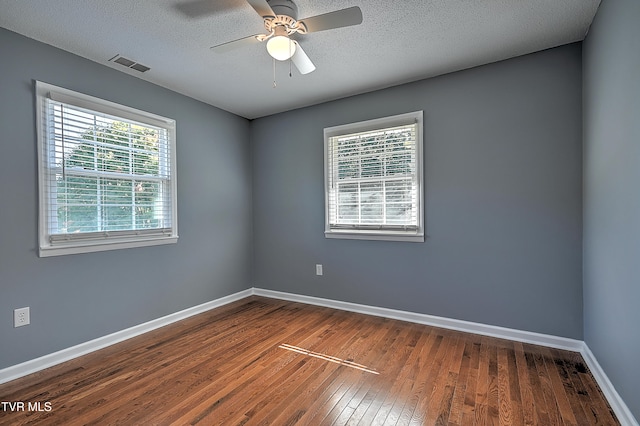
(432, 320)
(46, 361)
(618, 405)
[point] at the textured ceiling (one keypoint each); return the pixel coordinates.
(398, 42)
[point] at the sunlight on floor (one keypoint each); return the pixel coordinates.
(328, 358)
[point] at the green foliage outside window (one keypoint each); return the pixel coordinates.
(126, 197)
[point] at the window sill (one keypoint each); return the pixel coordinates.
(414, 237)
(93, 246)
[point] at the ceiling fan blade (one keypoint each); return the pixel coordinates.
(262, 7)
(301, 60)
(337, 19)
(235, 44)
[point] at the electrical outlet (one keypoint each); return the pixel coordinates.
(21, 317)
(318, 269)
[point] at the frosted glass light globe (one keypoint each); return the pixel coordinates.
(281, 47)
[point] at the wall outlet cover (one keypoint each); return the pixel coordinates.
(21, 316)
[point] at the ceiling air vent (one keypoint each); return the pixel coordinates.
(129, 63)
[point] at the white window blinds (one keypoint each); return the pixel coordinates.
(373, 177)
(107, 172)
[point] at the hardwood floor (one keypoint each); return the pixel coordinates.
(261, 361)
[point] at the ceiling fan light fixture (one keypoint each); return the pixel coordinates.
(281, 47)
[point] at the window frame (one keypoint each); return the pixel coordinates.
(364, 232)
(87, 242)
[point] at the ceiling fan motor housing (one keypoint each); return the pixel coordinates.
(284, 7)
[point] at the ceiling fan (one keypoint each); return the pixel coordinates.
(281, 22)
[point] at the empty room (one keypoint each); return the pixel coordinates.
(347, 212)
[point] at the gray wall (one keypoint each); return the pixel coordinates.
(503, 167)
(612, 195)
(77, 298)
(503, 175)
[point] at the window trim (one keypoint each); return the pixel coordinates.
(97, 241)
(370, 232)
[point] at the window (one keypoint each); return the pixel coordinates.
(106, 174)
(373, 179)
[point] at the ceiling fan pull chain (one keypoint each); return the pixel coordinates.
(274, 74)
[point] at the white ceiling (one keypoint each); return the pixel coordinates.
(398, 42)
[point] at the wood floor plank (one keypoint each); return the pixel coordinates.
(261, 361)
(602, 411)
(457, 399)
(539, 405)
(565, 404)
(386, 357)
(493, 405)
(393, 373)
(584, 387)
(527, 398)
(467, 416)
(504, 391)
(514, 388)
(404, 379)
(439, 386)
(551, 403)
(482, 393)
(427, 365)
